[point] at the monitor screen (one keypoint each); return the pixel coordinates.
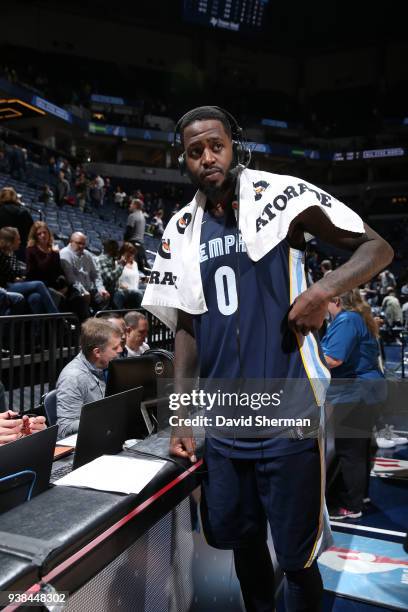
(145, 371)
(142, 371)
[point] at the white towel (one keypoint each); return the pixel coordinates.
(268, 204)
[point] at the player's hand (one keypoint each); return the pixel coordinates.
(309, 310)
(182, 444)
(37, 424)
(10, 427)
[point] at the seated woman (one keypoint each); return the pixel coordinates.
(44, 264)
(11, 275)
(43, 261)
(128, 295)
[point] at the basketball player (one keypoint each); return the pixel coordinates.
(251, 482)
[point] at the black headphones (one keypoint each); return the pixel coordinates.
(241, 150)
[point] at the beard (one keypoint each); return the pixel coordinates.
(215, 192)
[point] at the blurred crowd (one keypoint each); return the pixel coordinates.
(37, 277)
(386, 294)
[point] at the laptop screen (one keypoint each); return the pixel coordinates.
(25, 467)
(104, 425)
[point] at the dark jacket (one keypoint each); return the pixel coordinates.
(45, 267)
(14, 215)
(8, 269)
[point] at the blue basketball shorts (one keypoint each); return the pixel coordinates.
(241, 496)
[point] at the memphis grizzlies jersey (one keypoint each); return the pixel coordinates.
(248, 336)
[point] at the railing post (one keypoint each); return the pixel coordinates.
(52, 348)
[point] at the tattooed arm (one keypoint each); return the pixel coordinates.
(371, 254)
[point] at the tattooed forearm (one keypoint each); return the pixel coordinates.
(368, 260)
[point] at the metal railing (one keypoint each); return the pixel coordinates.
(34, 349)
(396, 337)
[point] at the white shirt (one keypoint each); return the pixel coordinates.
(142, 349)
(130, 277)
(99, 182)
(119, 197)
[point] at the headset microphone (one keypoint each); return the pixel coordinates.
(236, 170)
(241, 150)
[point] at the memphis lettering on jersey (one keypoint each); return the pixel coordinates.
(280, 202)
(221, 246)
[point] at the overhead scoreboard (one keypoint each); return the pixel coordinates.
(234, 15)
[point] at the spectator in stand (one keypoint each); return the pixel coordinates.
(46, 196)
(97, 190)
(66, 167)
(99, 181)
(79, 169)
(81, 186)
(119, 197)
(135, 229)
(110, 270)
(370, 293)
(139, 195)
(81, 272)
(136, 222)
(52, 166)
(36, 293)
(43, 263)
(392, 308)
(312, 265)
(387, 280)
(156, 201)
(147, 204)
(404, 290)
(157, 223)
(63, 189)
(13, 214)
(326, 266)
(128, 294)
(83, 379)
(137, 328)
(107, 191)
(95, 193)
(60, 164)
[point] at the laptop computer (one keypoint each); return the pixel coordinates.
(104, 426)
(34, 453)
